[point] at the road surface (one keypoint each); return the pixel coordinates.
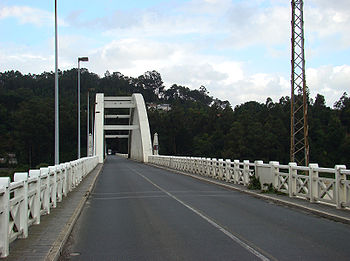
(139, 212)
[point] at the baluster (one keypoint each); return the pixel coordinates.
(274, 168)
(228, 170)
(21, 218)
(292, 177)
(53, 186)
(236, 173)
(340, 187)
(313, 182)
(4, 216)
(35, 173)
(45, 172)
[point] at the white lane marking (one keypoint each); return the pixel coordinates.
(130, 197)
(127, 192)
(213, 223)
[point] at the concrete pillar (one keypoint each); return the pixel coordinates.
(155, 144)
(313, 182)
(99, 127)
(141, 144)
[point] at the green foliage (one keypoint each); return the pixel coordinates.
(197, 124)
(254, 183)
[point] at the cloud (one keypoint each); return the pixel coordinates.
(24, 59)
(328, 20)
(330, 81)
(29, 15)
(252, 23)
(224, 78)
(231, 47)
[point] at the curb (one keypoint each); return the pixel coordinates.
(55, 250)
(317, 212)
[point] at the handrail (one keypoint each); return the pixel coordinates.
(333, 187)
(33, 194)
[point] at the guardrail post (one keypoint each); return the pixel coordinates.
(53, 186)
(206, 167)
(246, 172)
(274, 167)
(221, 169)
(4, 216)
(292, 175)
(202, 166)
(196, 165)
(45, 173)
(73, 174)
(65, 179)
(59, 182)
(340, 187)
(257, 163)
(313, 182)
(209, 167)
(214, 168)
(171, 164)
(228, 170)
(192, 167)
(22, 218)
(236, 171)
(35, 173)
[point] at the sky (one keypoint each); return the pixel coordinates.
(238, 49)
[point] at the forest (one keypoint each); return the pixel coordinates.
(197, 124)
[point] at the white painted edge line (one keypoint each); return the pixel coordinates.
(258, 195)
(210, 221)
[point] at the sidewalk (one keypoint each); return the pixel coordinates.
(45, 240)
(319, 209)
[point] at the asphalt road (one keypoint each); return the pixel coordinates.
(139, 212)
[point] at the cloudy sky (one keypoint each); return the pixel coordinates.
(238, 49)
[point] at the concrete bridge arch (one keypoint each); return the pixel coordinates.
(131, 110)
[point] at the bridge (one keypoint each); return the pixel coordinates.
(140, 206)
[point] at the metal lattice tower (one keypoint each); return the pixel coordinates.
(299, 145)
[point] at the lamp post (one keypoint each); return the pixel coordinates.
(57, 160)
(80, 59)
(87, 120)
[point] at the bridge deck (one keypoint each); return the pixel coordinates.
(138, 212)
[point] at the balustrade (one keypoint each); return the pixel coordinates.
(313, 183)
(33, 194)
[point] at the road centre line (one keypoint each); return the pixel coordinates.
(210, 221)
(130, 197)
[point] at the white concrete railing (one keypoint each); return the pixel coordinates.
(33, 194)
(313, 183)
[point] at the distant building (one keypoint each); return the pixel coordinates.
(161, 107)
(164, 107)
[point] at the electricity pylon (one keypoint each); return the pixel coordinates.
(299, 145)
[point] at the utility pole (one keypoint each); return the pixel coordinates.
(57, 143)
(299, 145)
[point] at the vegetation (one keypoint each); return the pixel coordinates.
(254, 183)
(197, 124)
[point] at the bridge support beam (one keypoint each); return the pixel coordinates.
(140, 140)
(140, 145)
(99, 127)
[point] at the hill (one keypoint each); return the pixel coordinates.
(197, 124)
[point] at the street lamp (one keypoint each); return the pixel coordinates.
(87, 120)
(80, 59)
(57, 160)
